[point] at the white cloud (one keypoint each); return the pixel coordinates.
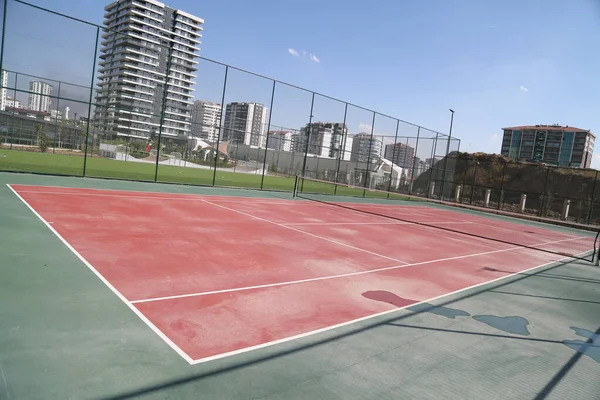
(494, 137)
(523, 89)
(366, 128)
(304, 54)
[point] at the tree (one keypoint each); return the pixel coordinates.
(43, 138)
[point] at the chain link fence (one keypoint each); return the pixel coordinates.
(128, 103)
(497, 183)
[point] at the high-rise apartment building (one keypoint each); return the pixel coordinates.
(206, 120)
(366, 147)
(245, 123)
(149, 54)
(564, 146)
(39, 93)
(4, 91)
(325, 139)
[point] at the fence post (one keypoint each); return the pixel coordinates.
(523, 203)
(457, 194)
(445, 171)
(501, 200)
(3, 36)
(342, 151)
(368, 173)
(412, 173)
(87, 128)
(56, 118)
(541, 213)
(220, 125)
(565, 210)
(262, 180)
(162, 109)
(589, 218)
(303, 171)
(393, 157)
(474, 182)
(431, 176)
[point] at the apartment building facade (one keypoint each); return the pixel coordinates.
(39, 99)
(4, 90)
(325, 139)
(206, 120)
(366, 147)
(400, 154)
(563, 146)
(148, 59)
(280, 140)
(245, 123)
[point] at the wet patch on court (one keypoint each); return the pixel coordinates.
(515, 325)
(387, 297)
(590, 348)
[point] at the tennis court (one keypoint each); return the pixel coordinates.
(219, 276)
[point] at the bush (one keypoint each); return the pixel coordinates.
(43, 138)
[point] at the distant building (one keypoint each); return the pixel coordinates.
(563, 146)
(206, 120)
(245, 123)
(347, 148)
(400, 154)
(279, 140)
(12, 103)
(4, 91)
(55, 114)
(325, 139)
(419, 167)
(366, 147)
(39, 99)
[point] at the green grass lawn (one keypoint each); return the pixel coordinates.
(65, 164)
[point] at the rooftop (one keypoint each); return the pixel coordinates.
(554, 127)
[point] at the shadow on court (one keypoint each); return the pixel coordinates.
(580, 347)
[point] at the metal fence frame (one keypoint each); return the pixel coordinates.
(90, 127)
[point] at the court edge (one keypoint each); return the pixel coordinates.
(191, 361)
(107, 283)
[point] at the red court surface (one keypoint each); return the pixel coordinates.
(215, 276)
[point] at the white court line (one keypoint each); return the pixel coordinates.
(354, 321)
(185, 196)
(179, 196)
(223, 355)
(374, 223)
(303, 232)
(107, 283)
(324, 278)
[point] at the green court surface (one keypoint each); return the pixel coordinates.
(65, 335)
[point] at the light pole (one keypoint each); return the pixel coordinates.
(446, 156)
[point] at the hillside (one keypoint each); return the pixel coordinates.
(546, 186)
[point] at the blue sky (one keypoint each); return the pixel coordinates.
(496, 64)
